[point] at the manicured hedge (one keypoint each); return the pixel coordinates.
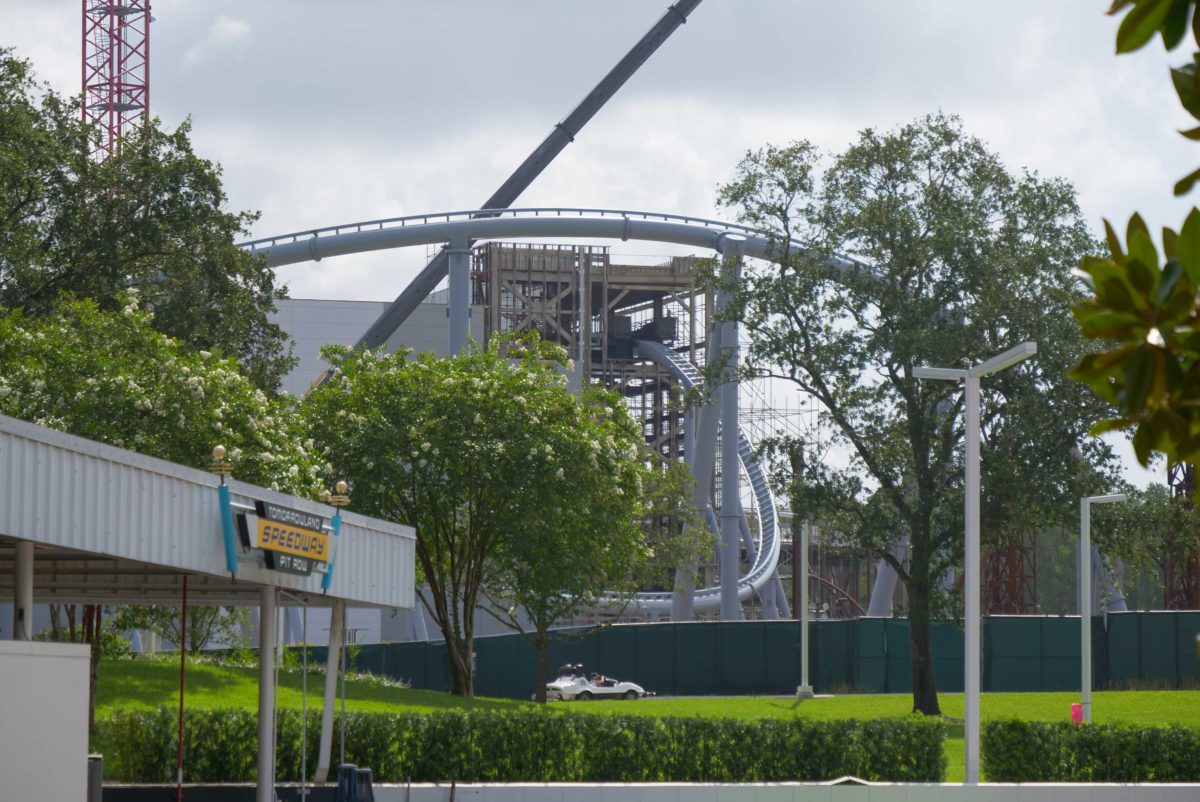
(534, 746)
(1033, 751)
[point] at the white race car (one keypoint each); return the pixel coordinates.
(573, 683)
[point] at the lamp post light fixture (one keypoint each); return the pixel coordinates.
(1085, 594)
(971, 569)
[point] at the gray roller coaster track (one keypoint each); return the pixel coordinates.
(762, 570)
(441, 227)
(488, 224)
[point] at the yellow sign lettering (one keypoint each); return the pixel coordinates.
(288, 539)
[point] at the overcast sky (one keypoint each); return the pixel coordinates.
(324, 113)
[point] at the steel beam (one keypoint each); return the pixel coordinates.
(732, 248)
(458, 309)
(559, 137)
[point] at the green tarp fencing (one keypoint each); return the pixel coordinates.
(865, 655)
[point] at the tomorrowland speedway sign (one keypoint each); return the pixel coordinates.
(291, 541)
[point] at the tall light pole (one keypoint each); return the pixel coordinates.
(805, 690)
(971, 569)
(1085, 594)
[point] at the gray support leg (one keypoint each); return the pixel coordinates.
(460, 295)
(1106, 594)
(883, 590)
(332, 661)
(685, 576)
(23, 592)
(732, 248)
(781, 602)
(768, 600)
(265, 789)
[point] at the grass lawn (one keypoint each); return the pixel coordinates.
(146, 685)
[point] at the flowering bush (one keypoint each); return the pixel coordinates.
(109, 376)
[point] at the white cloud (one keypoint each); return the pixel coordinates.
(225, 32)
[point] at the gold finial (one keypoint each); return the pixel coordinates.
(219, 466)
(341, 495)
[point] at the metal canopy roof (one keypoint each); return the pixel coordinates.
(115, 526)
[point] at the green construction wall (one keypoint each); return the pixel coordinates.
(866, 655)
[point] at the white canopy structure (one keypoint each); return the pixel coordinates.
(81, 521)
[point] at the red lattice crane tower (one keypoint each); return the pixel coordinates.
(116, 69)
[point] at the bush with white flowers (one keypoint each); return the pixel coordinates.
(109, 376)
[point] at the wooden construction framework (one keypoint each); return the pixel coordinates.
(574, 295)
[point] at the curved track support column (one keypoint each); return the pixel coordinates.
(884, 588)
(459, 307)
(732, 248)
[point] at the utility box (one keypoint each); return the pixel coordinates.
(43, 720)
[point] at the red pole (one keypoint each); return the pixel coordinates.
(182, 663)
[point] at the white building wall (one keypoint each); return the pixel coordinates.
(43, 720)
(312, 324)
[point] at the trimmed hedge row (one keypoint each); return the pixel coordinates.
(532, 746)
(1038, 751)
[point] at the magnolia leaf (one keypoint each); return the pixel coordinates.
(1110, 425)
(1176, 23)
(1140, 379)
(1188, 247)
(1170, 244)
(1141, 23)
(1184, 80)
(1111, 325)
(1166, 283)
(1184, 185)
(1114, 243)
(1143, 442)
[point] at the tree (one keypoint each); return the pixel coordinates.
(477, 452)
(205, 624)
(954, 259)
(590, 536)
(109, 376)
(151, 217)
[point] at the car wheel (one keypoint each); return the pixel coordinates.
(631, 694)
(584, 696)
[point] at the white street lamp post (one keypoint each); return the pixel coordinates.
(971, 570)
(805, 690)
(1085, 594)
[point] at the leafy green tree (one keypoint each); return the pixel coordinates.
(479, 452)
(205, 624)
(955, 259)
(1148, 532)
(153, 217)
(586, 542)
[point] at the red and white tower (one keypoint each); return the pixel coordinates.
(116, 68)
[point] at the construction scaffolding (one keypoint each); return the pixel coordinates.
(575, 296)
